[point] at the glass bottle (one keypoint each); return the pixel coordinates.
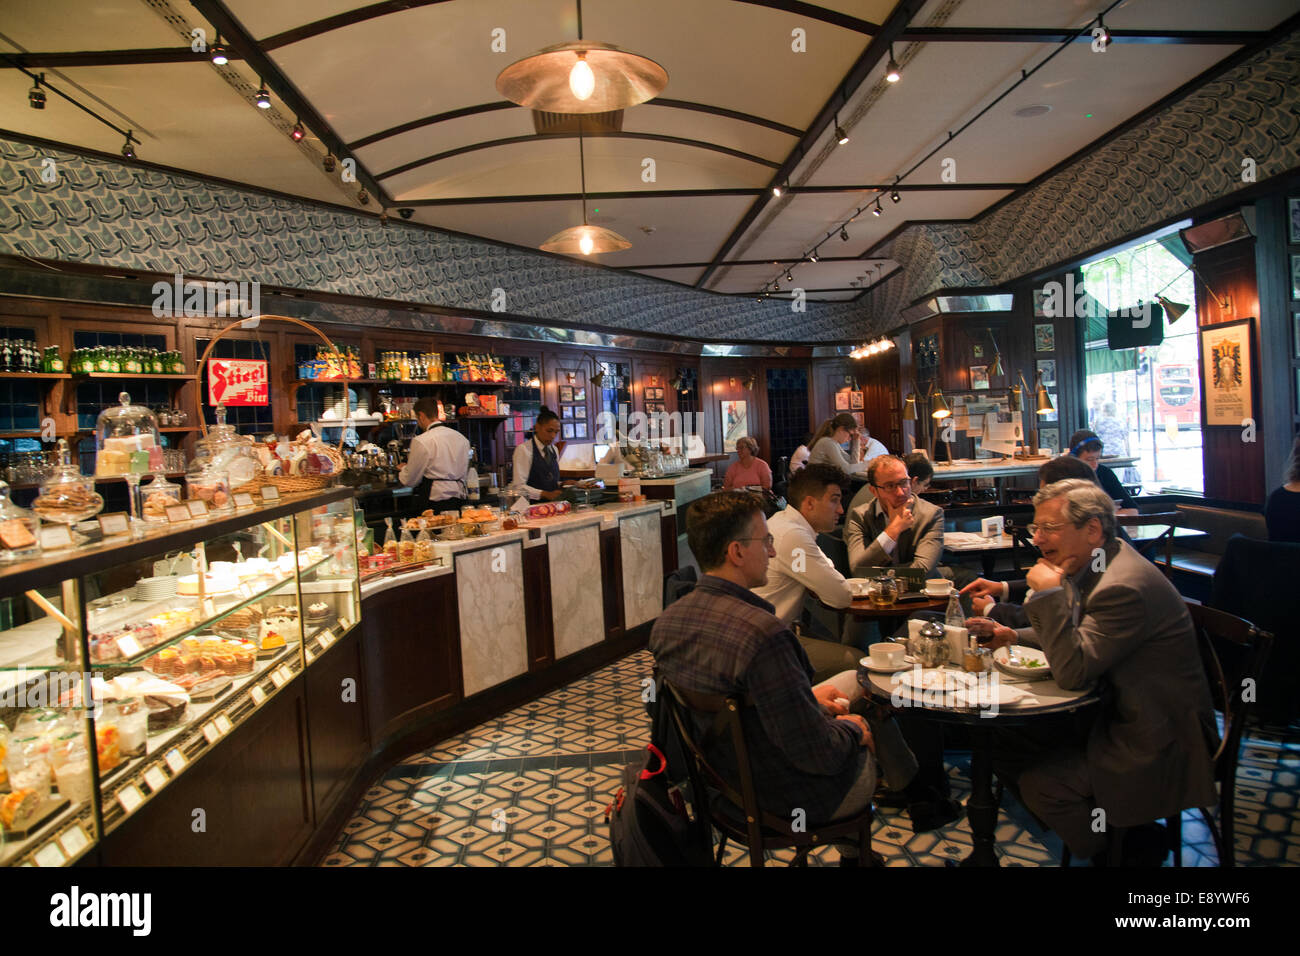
(178, 364)
(954, 617)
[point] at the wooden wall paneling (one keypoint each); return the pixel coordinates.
(611, 574)
(1279, 382)
(539, 623)
(339, 739)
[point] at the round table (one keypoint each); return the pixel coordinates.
(863, 610)
(982, 808)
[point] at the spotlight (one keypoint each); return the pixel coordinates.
(128, 151)
(1101, 34)
(789, 277)
(36, 95)
(218, 52)
(844, 234)
(776, 285)
(876, 210)
(406, 212)
(263, 97)
(298, 132)
(778, 190)
(329, 162)
(812, 257)
(841, 137)
(892, 73)
(363, 197)
(895, 196)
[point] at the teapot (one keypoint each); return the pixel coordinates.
(931, 645)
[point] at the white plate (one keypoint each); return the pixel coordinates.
(1002, 655)
(938, 594)
(880, 669)
(938, 679)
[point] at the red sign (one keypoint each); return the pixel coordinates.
(237, 382)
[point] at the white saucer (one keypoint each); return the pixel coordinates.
(877, 669)
(938, 594)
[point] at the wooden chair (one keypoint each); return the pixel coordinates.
(1250, 648)
(737, 814)
(1172, 519)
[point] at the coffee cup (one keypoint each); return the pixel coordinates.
(886, 654)
(937, 587)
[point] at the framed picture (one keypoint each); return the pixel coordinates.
(1226, 372)
(1050, 438)
(568, 431)
(580, 394)
(1293, 217)
(580, 430)
(1045, 337)
(1295, 277)
(735, 423)
(566, 393)
(1040, 299)
(842, 400)
(579, 411)
(979, 376)
(855, 400)
(1295, 335)
(566, 411)
(1047, 372)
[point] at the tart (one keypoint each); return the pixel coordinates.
(17, 808)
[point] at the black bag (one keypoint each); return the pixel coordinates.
(648, 823)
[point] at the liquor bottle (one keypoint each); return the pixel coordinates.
(405, 367)
(178, 364)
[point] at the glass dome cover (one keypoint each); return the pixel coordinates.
(126, 440)
(66, 495)
(157, 496)
(20, 530)
(228, 451)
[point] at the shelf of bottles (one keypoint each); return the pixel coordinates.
(120, 361)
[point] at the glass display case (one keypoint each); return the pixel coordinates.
(186, 634)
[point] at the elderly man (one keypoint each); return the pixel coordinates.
(1102, 613)
(895, 527)
(807, 751)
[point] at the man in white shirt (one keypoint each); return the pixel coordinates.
(438, 461)
(870, 447)
(536, 472)
(815, 495)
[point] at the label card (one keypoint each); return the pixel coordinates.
(55, 536)
(177, 513)
(50, 855)
(211, 733)
(277, 678)
(285, 672)
(155, 777)
(74, 841)
(198, 508)
(128, 645)
(176, 760)
(258, 695)
(130, 797)
(244, 500)
(326, 639)
(112, 524)
(270, 493)
(223, 724)
(311, 656)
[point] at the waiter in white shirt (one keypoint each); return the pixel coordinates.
(536, 471)
(438, 462)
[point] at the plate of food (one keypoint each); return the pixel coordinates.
(1022, 661)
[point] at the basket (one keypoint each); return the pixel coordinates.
(292, 484)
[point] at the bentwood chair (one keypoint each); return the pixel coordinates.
(1233, 695)
(736, 812)
(1170, 519)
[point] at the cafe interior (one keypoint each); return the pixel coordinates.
(260, 244)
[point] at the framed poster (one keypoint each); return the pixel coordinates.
(580, 394)
(1045, 338)
(1226, 372)
(979, 376)
(1295, 277)
(842, 400)
(579, 411)
(566, 411)
(1050, 438)
(580, 430)
(855, 400)
(1047, 372)
(1295, 334)
(566, 393)
(237, 382)
(1293, 217)
(568, 431)
(735, 423)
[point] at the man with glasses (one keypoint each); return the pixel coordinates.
(895, 527)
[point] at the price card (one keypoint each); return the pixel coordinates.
(311, 656)
(285, 672)
(244, 500)
(211, 733)
(177, 513)
(155, 777)
(74, 841)
(130, 797)
(175, 760)
(114, 524)
(50, 855)
(258, 695)
(198, 508)
(326, 639)
(270, 493)
(277, 678)
(55, 536)
(223, 724)
(128, 645)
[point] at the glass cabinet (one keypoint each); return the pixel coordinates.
(155, 650)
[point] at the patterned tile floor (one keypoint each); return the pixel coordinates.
(530, 789)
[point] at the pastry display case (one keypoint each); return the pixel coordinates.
(126, 662)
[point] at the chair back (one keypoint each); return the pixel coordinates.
(838, 552)
(679, 583)
(1234, 694)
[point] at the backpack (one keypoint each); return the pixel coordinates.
(648, 822)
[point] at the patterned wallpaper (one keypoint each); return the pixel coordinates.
(105, 213)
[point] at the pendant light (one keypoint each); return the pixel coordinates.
(1045, 406)
(909, 407)
(938, 407)
(582, 77)
(585, 239)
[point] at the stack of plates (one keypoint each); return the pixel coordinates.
(155, 589)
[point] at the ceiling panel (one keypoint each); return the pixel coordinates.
(684, 276)
(66, 26)
(818, 275)
(1129, 15)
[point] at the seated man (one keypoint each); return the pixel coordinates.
(806, 750)
(800, 566)
(894, 527)
(919, 470)
(1104, 614)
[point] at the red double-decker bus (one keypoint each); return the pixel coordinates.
(1176, 395)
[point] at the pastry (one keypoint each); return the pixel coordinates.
(67, 505)
(164, 712)
(15, 535)
(17, 808)
(188, 584)
(109, 744)
(319, 613)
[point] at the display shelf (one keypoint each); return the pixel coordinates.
(30, 376)
(157, 376)
(54, 843)
(394, 381)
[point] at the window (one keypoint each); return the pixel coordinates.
(1145, 402)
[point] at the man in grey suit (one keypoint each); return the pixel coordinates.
(894, 527)
(1101, 612)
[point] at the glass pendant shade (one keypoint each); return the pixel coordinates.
(586, 240)
(551, 79)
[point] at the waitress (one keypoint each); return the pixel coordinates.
(438, 462)
(536, 467)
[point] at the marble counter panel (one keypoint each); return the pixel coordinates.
(643, 568)
(490, 590)
(379, 585)
(577, 601)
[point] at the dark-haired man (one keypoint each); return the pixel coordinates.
(895, 527)
(536, 472)
(437, 463)
(807, 751)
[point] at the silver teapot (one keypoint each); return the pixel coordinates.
(931, 645)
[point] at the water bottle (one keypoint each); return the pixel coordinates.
(954, 616)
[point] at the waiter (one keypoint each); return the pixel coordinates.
(438, 461)
(536, 473)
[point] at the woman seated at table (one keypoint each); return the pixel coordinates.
(1086, 446)
(1282, 513)
(827, 446)
(748, 469)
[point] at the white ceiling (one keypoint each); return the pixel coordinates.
(372, 75)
